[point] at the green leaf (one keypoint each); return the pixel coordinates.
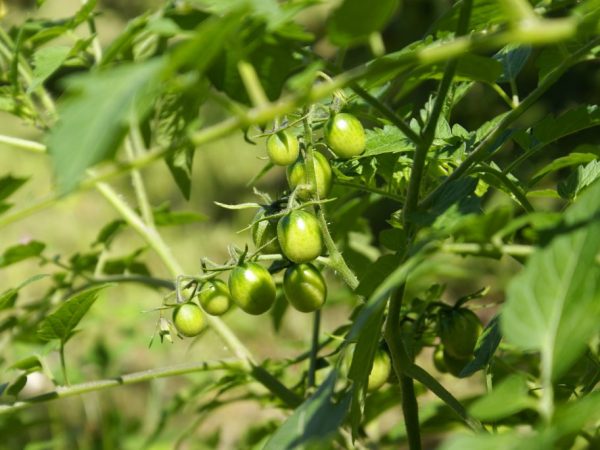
(29, 364)
(388, 139)
(573, 417)
(581, 178)
(109, 232)
(494, 406)
(46, 61)
(572, 159)
(9, 297)
(376, 273)
(553, 304)
(354, 20)
(165, 218)
(112, 97)
(9, 184)
(506, 441)
(513, 58)
(484, 14)
(61, 323)
(16, 386)
(20, 252)
(314, 422)
(486, 346)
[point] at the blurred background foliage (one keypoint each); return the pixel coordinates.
(119, 327)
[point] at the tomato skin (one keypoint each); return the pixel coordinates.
(345, 135)
(304, 287)
(300, 237)
(283, 148)
(455, 365)
(214, 297)
(459, 330)
(265, 232)
(438, 359)
(380, 372)
(297, 175)
(188, 319)
(252, 288)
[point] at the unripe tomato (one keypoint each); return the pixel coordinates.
(345, 135)
(265, 232)
(188, 319)
(382, 367)
(282, 148)
(300, 237)
(438, 359)
(252, 288)
(298, 175)
(304, 287)
(214, 297)
(453, 364)
(459, 330)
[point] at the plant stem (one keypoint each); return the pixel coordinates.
(24, 144)
(360, 187)
(63, 363)
(468, 248)
(138, 183)
(416, 175)
(314, 349)
(132, 378)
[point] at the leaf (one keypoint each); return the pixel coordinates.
(582, 177)
(572, 417)
(29, 364)
(61, 323)
(494, 406)
(388, 139)
(572, 159)
(376, 273)
(486, 346)
(20, 252)
(513, 58)
(112, 97)
(354, 20)
(171, 218)
(46, 61)
(108, 232)
(553, 304)
(9, 184)
(16, 386)
(506, 441)
(9, 297)
(314, 421)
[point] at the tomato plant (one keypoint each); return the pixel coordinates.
(305, 287)
(378, 220)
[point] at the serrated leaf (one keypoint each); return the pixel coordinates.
(581, 178)
(486, 346)
(354, 20)
(513, 58)
(112, 97)
(61, 323)
(46, 61)
(572, 159)
(314, 422)
(9, 297)
(494, 406)
(20, 252)
(9, 184)
(553, 304)
(388, 139)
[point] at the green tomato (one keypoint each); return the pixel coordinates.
(188, 319)
(455, 365)
(459, 330)
(380, 372)
(283, 148)
(304, 287)
(438, 359)
(214, 297)
(300, 237)
(345, 135)
(252, 288)
(297, 175)
(265, 233)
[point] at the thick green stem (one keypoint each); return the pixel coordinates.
(314, 349)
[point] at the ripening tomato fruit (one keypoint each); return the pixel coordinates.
(459, 330)
(304, 287)
(214, 297)
(455, 365)
(382, 367)
(300, 237)
(438, 359)
(188, 319)
(252, 288)
(265, 233)
(297, 175)
(283, 148)
(345, 135)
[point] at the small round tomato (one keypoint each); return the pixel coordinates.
(214, 297)
(298, 175)
(345, 135)
(380, 372)
(283, 148)
(188, 319)
(438, 359)
(252, 288)
(300, 237)
(304, 287)
(265, 233)
(455, 365)
(459, 330)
